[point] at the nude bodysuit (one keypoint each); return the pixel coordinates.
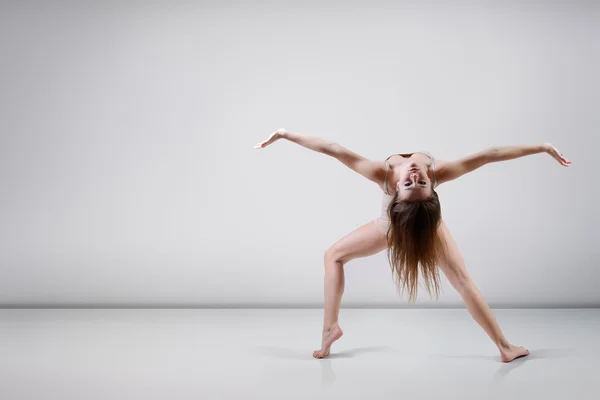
(382, 222)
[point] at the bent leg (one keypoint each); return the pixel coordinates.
(453, 266)
(366, 240)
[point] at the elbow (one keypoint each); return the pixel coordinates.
(492, 153)
(331, 149)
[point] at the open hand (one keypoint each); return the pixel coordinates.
(278, 134)
(557, 155)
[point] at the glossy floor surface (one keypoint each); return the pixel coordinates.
(267, 354)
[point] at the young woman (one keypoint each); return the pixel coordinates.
(410, 227)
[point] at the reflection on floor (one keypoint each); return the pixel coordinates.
(267, 354)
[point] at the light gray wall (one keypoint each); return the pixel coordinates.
(129, 175)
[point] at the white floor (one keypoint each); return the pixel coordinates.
(267, 354)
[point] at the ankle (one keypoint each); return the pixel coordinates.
(503, 344)
(330, 327)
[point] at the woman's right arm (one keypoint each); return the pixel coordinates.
(370, 169)
(310, 142)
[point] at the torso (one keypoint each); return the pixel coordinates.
(398, 159)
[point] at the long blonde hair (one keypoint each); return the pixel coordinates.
(413, 240)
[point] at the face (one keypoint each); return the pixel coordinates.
(413, 182)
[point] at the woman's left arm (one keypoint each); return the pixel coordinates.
(450, 170)
(502, 153)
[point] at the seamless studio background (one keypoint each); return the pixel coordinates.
(129, 177)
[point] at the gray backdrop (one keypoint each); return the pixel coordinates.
(129, 176)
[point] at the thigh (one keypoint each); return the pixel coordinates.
(451, 261)
(364, 241)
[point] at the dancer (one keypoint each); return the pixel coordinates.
(410, 227)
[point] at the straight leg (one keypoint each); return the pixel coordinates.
(453, 266)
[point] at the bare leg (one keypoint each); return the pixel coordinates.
(364, 241)
(453, 266)
(482, 314)
(334, 289)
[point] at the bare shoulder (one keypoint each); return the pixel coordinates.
(380, 174)
(372, 169)
(448, 170)
(441, 170)
(380, 170)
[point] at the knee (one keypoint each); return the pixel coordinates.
(332, 256)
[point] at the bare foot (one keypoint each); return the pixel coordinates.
(330, 335)
(511, 352)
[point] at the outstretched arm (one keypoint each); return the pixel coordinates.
(365, 167)
(504, 153)
(454, 169)
(314, 143)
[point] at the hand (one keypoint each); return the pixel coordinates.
(278, 134)
(557, 155)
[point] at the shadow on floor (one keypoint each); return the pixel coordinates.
(279, 352)
(328, 375)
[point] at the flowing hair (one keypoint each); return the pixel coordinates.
(413, 240)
